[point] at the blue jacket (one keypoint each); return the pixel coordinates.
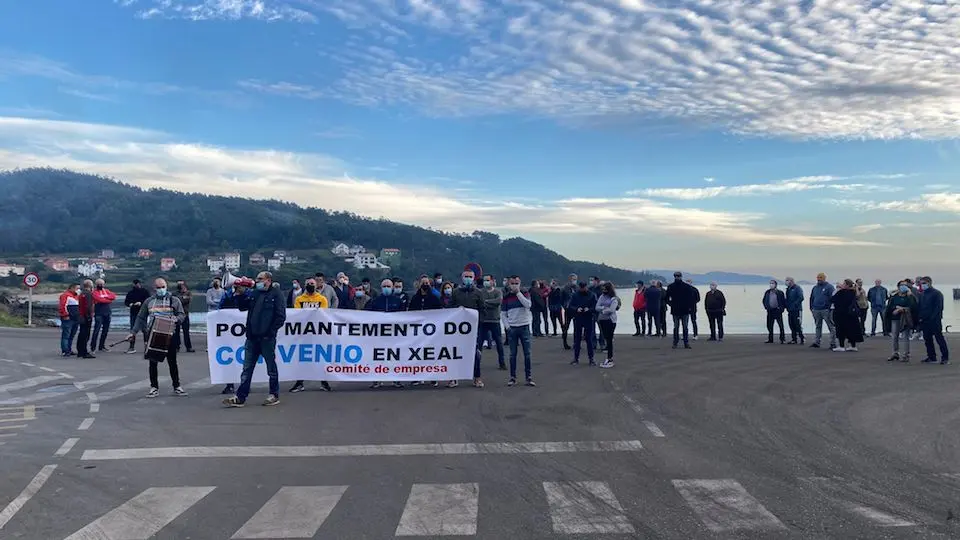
(266, 312)
(386, 303)
(588, 301)
(653, 296)
(931, 306)
(794, 298)
(878, 296)
(821, 296)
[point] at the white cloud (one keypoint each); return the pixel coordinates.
(202, 10)
(852, 69)
(709, 179)
(154, 159)
(791, 185)
(928, 202)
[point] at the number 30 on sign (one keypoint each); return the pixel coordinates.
(31, 280)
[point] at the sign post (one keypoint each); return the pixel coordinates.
(31, 280)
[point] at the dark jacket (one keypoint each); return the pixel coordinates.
(424, 300)
(386, 304)
(908, 302)
(569, 290)
(555, 301)
(469, 298)
(345, 297)
(845, 306)
(87, 306)
(654, 297)
(536, 297)
(878, 295)
(781, 300)
(794, 298)
(680, 298)
(931, 307)
(230, 300)
(266, 312)
(586, 301)
(134, 296)
(715, 303)
(291, 296)
(696, 297)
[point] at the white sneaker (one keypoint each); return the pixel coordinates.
(839, 349)
(606, 364)
(179, 391)
(853, 349)
(154, 392)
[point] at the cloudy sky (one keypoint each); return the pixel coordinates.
(744, 135)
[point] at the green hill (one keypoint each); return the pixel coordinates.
(59, 211)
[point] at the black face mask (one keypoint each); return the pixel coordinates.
(425, 287)
(677, 280)
(99, 287)
(583, 291)
(311, 289)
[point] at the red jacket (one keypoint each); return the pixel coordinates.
(104, 296)
(86, 306)
(639, 301)
(63, 304)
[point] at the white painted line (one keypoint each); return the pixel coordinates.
(50, 370)
(14, 427)
(440, 510)
(77, 386)
(724, 505)
(362, 450)
(8, 434)
(94, 407)
(28, 383)
(585, 508)
(880, 518)
(85, 425)
(24, 413)
(28, 492)
(28, 364)
(143, 516)
(293, 512)
(653, 428)
(92, 397)
(139, 386)
(66, 446)
(19, 418)
(5, 360)
(65, 375)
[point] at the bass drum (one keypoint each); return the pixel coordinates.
(160, 338)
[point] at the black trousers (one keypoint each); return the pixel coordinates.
(556, 318)
(171, 362)
(693, 324)
(606, 329)
(775, 316)
(663, 320)
(185, 328)
(934, 332)
(796, 325)
(716, 325)
(640, 321)
(83, 337)
(565, 323)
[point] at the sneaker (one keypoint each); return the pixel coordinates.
(131, 351)
(191, 350)
(297, 388)
(944, 362)
(530, 383)
(838, 349)
(893, 358)
(512, 382)
(905, 359)
(815, 346)
(454, 384)
(854, 349)
(179, 391)
(435, 384)
(377, 384)
(607, 364)
(687, 346)
(325, 386)
(930, 361)
(228, 389)
(232, 401)
(592, 362)
(695, 338)
(502, 367)
(478, 382)
(575, 362)
(64, 355)
(88, 356)
(102, 349)
(271, 400)
(154, 392)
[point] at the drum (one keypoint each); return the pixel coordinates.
(160, 338)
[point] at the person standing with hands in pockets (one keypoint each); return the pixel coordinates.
(266, 312)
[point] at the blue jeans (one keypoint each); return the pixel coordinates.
(493, 330)
(519, 334)
(684, 321)
(583, 329)
(101, 323)
(68, 329)
(253, 349)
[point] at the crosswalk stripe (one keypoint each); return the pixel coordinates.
(144, 515)
(14, 427)
(879, 517)
(66, 446)
(293, 512)
(122, 391)
(77, 387)
(724, 505)
(585, 508)
(28, 383)
(85, 425)
(28, 492)
(440, 510)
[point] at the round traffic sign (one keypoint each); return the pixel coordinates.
(31, 280)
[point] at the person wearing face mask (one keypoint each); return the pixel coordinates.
(640, 310)
(654, 297)
(794, 297)
(607, 306)
(186, 297)
(87, 314)
(582, 307)
(161, 304)
(103, 298)
(821, 300)
(386, 302)
(569, 290)
(775, 303)
(295, 291)
(597, 291)
(539, 309)
(715, 304)
(423, 298)
(846, 315)
(555, 305)
(266, 313)
(361, 297)
(680, 298)
(490, 319)
(345, 292)
(231, 300)
(931, 322)
(467, 296)
(517, 314)
(327, 290)
(399, 292)
(368, 290)
(438, 281)
(214, 295)
(69, 311)
(310, 299)
(902, 311)
(136, 296)
(446, 294)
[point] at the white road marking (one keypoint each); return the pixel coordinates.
(8, 434)
(28, 383)
(724, 505)
(28, 492)
(202, 383)
(144, 515)
(585, 508)
(654, 429)
(836, 491)
(92, 397)
(50, 370)
(94, 407)
(14, 427)
(362, 450)
(5, 360)
(85, 425)
(293, 512)
(880, 518)
(65, 375)
(66, 446)
(440, 510)
(77, 387)
(28, 364)
(22, 413)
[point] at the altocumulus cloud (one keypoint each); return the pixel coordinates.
(152, 159)
(792, 68)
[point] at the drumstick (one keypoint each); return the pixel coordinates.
(124, 340)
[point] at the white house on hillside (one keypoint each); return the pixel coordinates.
(368, 260)
(357, 248)
(341, 250)
(90, 270)
(274, 264)
(214, 263)
(7, 269)
(232, 260)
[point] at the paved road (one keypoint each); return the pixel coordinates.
(730, 440)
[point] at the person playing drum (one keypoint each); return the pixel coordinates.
(161, 305)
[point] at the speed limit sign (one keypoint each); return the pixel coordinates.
(31, 280)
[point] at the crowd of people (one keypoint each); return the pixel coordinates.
(510, 315)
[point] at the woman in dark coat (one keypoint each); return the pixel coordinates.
(846, 317)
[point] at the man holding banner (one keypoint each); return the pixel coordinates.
(310, 300)
(467, 296)
(266, 312)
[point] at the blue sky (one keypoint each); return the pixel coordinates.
(752, 135)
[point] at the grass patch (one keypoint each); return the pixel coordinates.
(10, 321)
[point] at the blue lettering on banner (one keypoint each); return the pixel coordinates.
(237, 357)
(317, 353)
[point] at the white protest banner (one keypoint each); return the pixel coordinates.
(351, 346)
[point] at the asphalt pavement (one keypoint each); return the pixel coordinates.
(738, 439)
